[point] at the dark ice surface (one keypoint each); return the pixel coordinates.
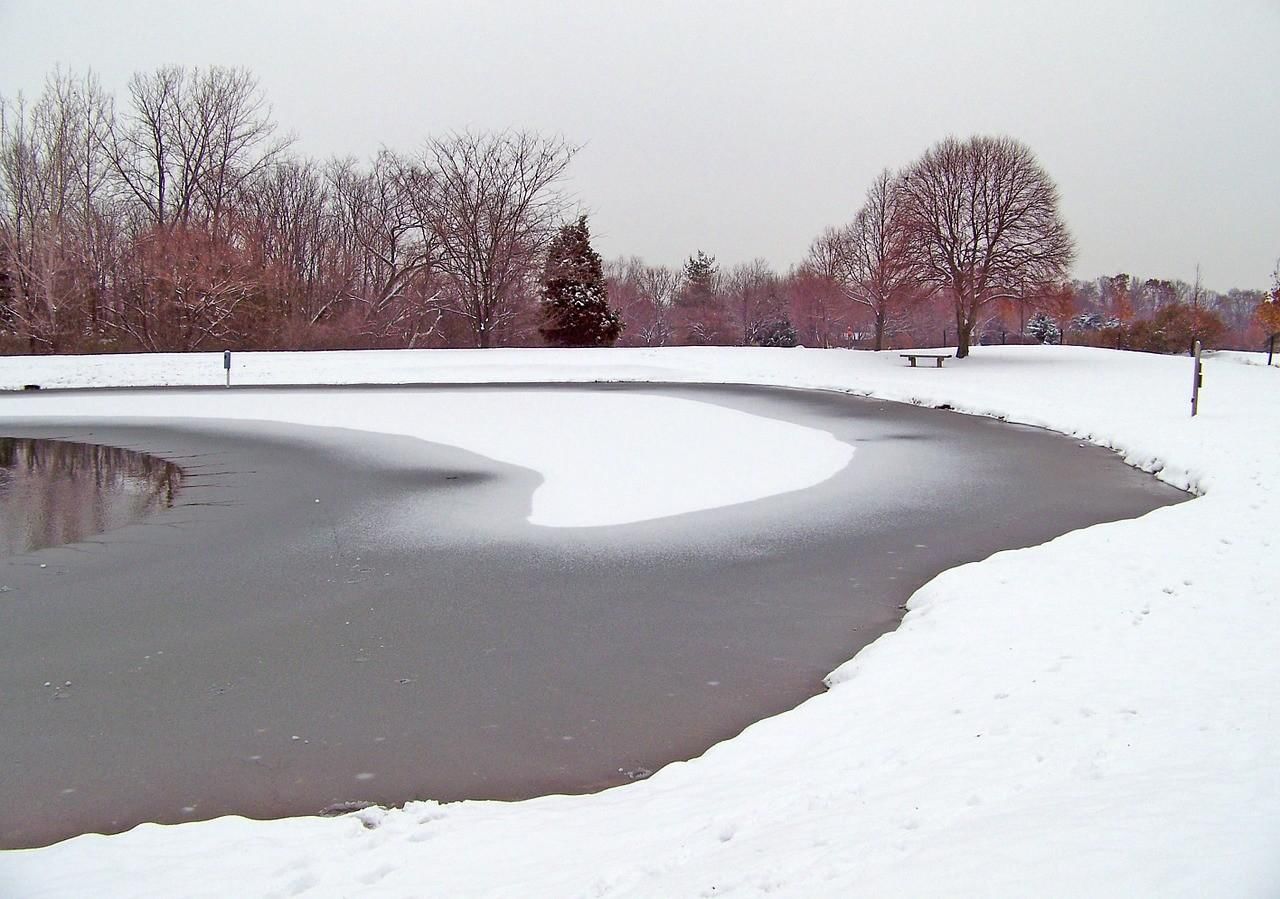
(325, 617)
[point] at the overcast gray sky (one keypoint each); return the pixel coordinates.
(745, 128)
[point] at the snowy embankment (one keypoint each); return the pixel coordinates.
(1093, 716)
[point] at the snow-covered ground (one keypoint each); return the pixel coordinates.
(1094, 716)
(1244, 357)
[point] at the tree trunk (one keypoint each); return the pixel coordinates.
(879, 332)
(964, 330)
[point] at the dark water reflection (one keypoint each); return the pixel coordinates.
(54, 491)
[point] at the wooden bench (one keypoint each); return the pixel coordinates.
(937, 357)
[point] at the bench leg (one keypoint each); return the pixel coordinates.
(911, 361)
(939, 361)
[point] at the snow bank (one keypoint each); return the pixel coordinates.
(600, 456)
(1093, 716)
(1242, 357)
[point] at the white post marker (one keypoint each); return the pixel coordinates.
(226, 363)
(1196, 381)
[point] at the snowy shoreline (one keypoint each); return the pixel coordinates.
(1089, 716)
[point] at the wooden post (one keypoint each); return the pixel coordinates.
(1195, 381)
(1271, 349)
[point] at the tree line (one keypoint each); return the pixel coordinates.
(177, 217)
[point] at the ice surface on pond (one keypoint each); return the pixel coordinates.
(605, 458)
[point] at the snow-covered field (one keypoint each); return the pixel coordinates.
(1094, 716)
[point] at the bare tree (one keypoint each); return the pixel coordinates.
(287, 229)
(982, 218)
(183, 289)
(52, 211)
(817, 304)
(226, 123)
(190, 139)
(870, 258)
(753, 292)
(494, 206)
(659, 285)
(644, 296)
(385, 214)
(24, 236)
(139, 146)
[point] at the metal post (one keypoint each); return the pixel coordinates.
(226, 363)
(1196, 381)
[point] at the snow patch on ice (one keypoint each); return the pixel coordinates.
(605, 458)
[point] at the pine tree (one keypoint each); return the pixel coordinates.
(777, 331)
(699, 279)
(575, 302)
(1044, 329)
(1269, 309)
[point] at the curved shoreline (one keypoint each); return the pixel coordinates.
(765, 549)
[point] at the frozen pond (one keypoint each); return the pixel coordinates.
(56, 491)
(325, 617)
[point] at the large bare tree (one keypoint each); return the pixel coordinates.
(494, 207)
(982, 219)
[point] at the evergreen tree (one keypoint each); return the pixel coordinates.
(1268, 310)
(699, 279)
(575, 302)
(1044, 329)
(772, 332)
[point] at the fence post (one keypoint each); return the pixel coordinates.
(1196, 380)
